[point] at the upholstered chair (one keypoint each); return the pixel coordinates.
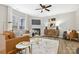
(11, 40)
(8, 35)
(73, 35)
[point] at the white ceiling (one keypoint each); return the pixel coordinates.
(55, 9)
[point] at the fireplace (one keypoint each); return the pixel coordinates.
(36, 31)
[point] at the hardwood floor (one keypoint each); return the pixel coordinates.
(67, 46)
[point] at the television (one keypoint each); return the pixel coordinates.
(36, 22)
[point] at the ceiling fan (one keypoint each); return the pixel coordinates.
(44, 7)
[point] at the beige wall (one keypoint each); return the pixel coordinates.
(3, 18)
(77, 20)
(2, 44)
(3, 26)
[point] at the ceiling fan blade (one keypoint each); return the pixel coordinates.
(38, 9)
(47, 9)
(48, 6)
(41, 5)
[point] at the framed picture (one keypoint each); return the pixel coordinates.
(52, 22)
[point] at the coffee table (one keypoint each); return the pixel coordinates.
(23, 45)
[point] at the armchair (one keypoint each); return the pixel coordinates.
(11, 40)
(73, 35)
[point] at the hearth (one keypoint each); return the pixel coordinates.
(36, 31)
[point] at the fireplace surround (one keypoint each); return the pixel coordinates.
(36, 31)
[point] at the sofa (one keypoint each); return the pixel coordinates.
(11, 40)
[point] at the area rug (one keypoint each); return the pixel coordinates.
(45, 46)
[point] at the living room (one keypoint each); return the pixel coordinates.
(24, 19)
